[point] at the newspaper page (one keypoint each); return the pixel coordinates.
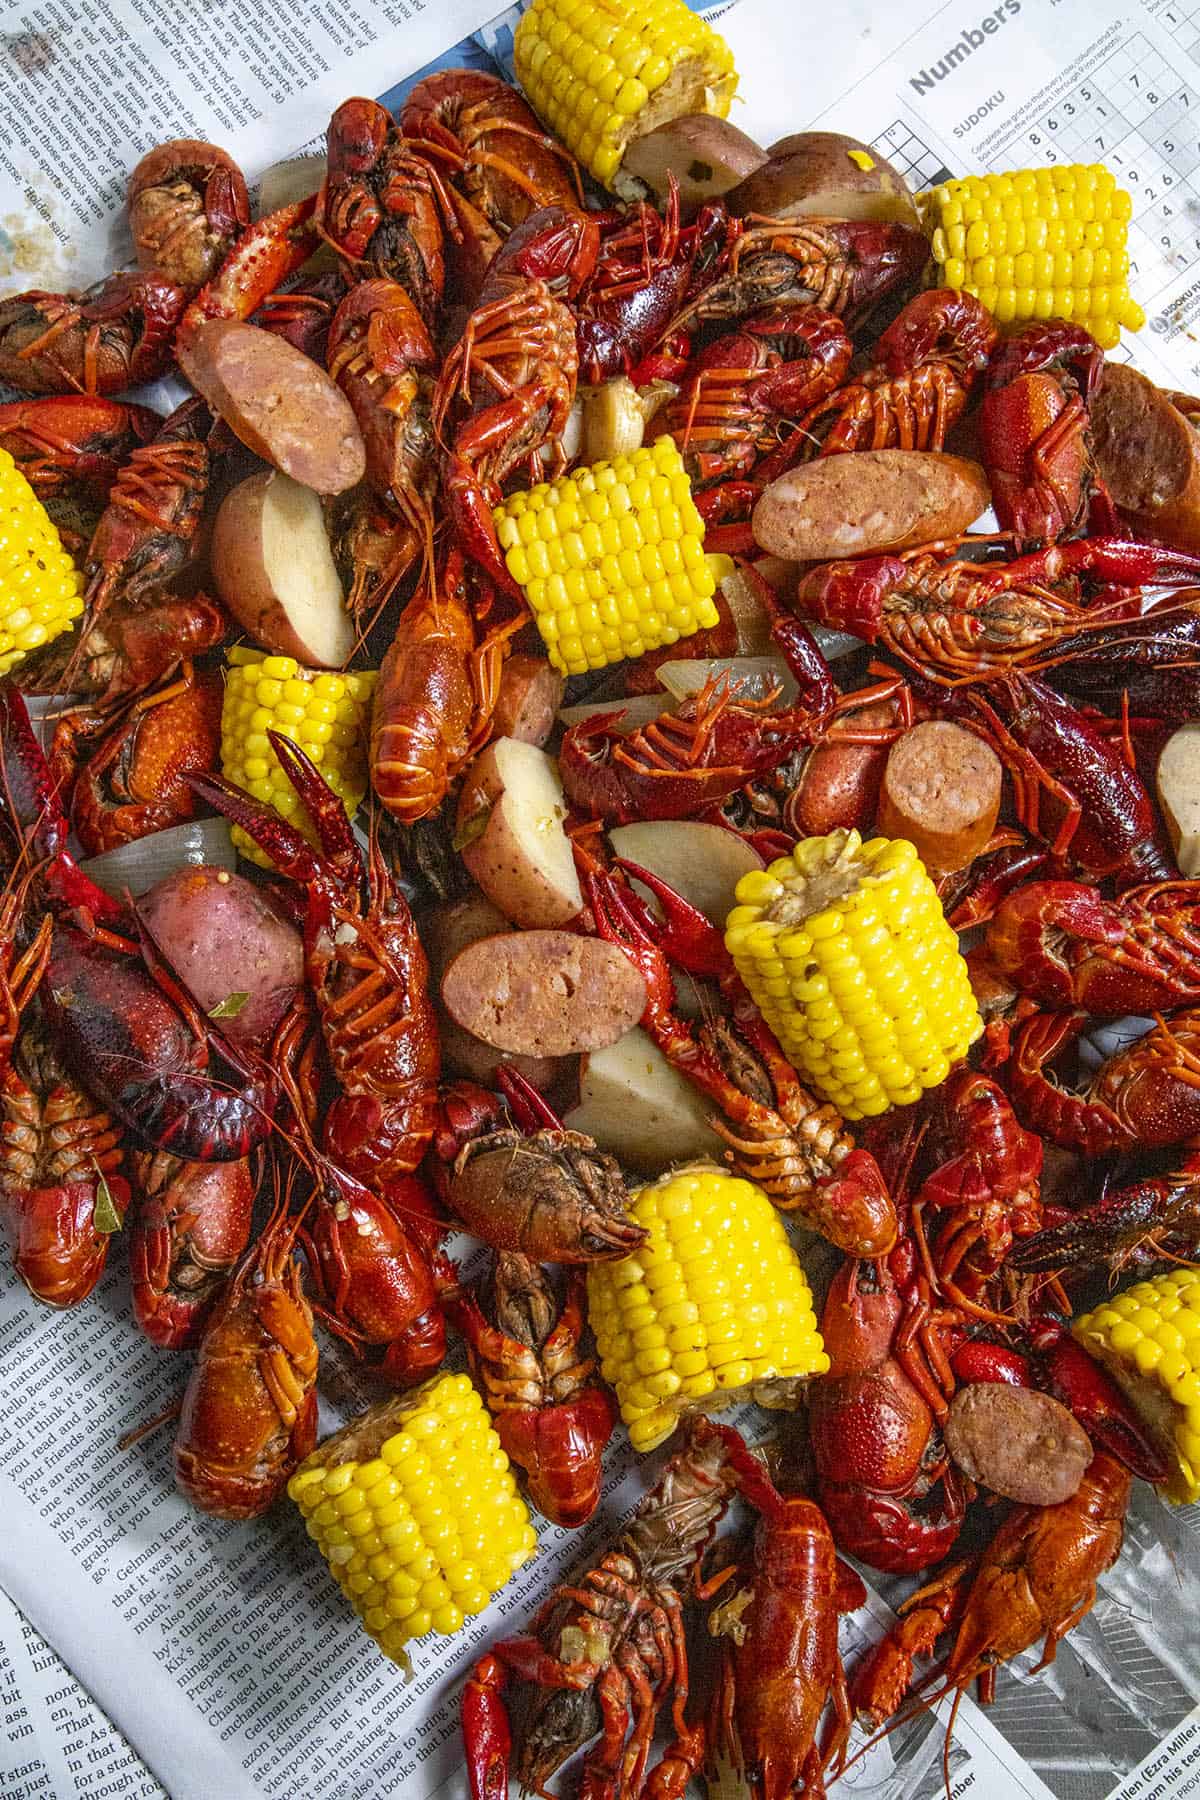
(222, 1654)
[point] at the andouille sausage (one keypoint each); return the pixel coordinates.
(544, 993)
(1017, 1442)
(941, 790)
(1147, 454)
(870, 500)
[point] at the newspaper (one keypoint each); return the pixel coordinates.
(144, 1648)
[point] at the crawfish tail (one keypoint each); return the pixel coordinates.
(677, 1520)
(1132, 1224)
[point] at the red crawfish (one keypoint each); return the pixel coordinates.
(1064, 945)
(843, 266)
(261, 259)
(529, 1187)
(742, 394)
(249, 1415)
(962, 621)
(797, 1150)
(191, 1222)
(1036, 1579)
(126, 776)
(927, 363)
(383, 204)
(62, 1194)
(372, 1252)
(1033, 429)
(698, 756)
(1148, 666)
(1136, 1223)
(187, 205)
(507, 386)
(366, 969)
(890, 1492)
(779, 1630)
(302, 312)
(607, 1650)
(127, 1030)
(1073, 786)
(1145, 1096)
(116, 335)
(488, 140)
(551, 1415)
(69, 441)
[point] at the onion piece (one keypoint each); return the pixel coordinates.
(752, 677)
(638, 711)
(135, 867)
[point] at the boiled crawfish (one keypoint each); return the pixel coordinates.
(249, 1412)
(62, 1194)
(552, 1417)
(127, 778)
(1036, 1579)
(116, 335)
(778, 1135)
(926, 365)
(1145, 1096)
(607, 1649)
(366, 969)
(187, 205)
(1065, 946)
(191, 1223)
(1139, 1223)
(1033, 430)
(530, 1188)
(66, 441)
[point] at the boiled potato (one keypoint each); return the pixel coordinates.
(641, 1109)
(706, 155)
(823, 174)
(274, 570)
(1179, 795)
(510, 830)
(703, 863)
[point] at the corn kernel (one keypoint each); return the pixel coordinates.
(1148, 1338)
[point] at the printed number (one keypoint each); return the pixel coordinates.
(1168, 147)
(1168, 212)
(1034, 138)
(1152, 99)
(1100, 144)
(1168, 180)
(1148, 194)
(1165, 242)
(1183, 97)
(1133, 76)
(1085, 93)
(1132, 175)
(1068, 109)
(1052, 124)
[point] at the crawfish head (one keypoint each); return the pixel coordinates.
(943, 325)
(552, 1195)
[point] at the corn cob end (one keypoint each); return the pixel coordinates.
(713, 1309)
(41, 590)
(416, 1511)
(1148, 1338)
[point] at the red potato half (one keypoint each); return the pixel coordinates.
(824, 174)
(228, 946)
(279, 402)
(544, 993)
(275, 572)
(510, 832)
(635, 1105)
(706, 155)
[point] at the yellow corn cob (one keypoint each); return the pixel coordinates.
(601, 72)
(847, 953)
(40, 587)
(1039, 244)
(714, 1306)
(1148, 1338)
(328, 715)
(611, 558)
(416, 1511)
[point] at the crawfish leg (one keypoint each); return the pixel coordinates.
(603, 1763)
(1058, 1631)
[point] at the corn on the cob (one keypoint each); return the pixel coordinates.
(1039, 244)
(846, 951)
(712, 1308)
(40, 588)
(611, 558)
(601, 72)
(328, 715)
(416, 1511)
(1148, 1338)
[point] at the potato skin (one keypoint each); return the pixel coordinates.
(544, 993)
(869, 501)
(218, 932)
(531, 693)
(243, 582)
(281, 405)
(1017, 1442)
(706, 155)
(815, 173)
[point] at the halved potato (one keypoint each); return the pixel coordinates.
(824, 174)
(706, 155)
(274, 570)
(641, 1109)
(703, 863)
(510, 831)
